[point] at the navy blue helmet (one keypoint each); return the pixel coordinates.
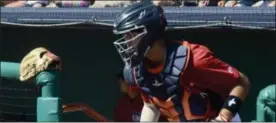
(140, 24)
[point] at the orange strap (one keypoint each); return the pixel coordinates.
(157, 69)
(90, 112)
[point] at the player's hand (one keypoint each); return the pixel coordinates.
(220, 118)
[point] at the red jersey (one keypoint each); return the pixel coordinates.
(202, 71)
(206, 71)
(129, 110)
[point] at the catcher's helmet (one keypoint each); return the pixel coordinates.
(140, 24)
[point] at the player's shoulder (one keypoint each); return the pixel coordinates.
(178, 49)
(202, 56)
(198, 52)
(129, 77)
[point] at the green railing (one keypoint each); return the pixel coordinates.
(49, 103)
(266, 105)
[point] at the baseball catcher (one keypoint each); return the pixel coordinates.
(38, 60)
(181, 80)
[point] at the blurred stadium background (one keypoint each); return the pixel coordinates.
(241, 32)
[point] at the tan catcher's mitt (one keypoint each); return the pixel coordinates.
(38, 60)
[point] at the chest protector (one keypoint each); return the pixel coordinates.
(176, 100)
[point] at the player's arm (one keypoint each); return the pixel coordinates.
(235, 99)
(222, 78)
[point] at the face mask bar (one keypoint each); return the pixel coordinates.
(127, 45)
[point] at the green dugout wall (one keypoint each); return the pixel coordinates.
(90, 61)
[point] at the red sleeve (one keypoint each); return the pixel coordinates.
(123, 111)
(213, 73)
(117, 112)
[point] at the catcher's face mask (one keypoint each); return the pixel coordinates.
(128, 44)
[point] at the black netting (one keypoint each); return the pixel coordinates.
(17, 101)
(178, 17)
